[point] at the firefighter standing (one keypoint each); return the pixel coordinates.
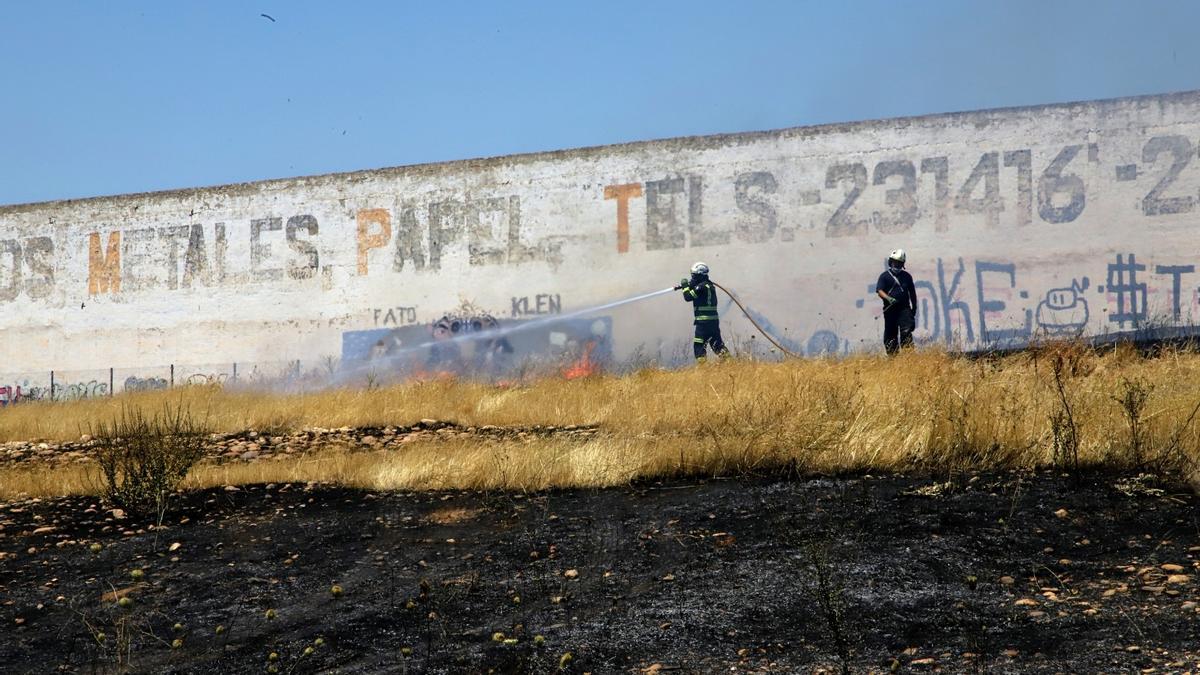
(895, 288)
(701, 292)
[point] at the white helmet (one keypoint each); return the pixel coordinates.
(700, 268)
(898, 255)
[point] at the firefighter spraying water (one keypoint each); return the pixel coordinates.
(701, 292)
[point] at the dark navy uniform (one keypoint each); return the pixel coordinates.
(899, 317)
(703, 295)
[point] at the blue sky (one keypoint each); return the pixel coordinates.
(115, 97)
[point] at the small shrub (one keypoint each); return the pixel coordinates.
(144, 459)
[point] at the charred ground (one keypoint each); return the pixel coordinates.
(992, 572)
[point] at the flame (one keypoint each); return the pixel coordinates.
(584, 366)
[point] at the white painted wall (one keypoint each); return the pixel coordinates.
(996, 208)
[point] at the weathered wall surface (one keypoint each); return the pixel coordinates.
(1018, 222)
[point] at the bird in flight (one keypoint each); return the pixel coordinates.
(268, 16)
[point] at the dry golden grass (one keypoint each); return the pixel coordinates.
(925, 409)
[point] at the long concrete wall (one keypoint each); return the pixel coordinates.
(1019, 222)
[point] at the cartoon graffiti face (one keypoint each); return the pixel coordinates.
(1064, 310)
(1061, 298)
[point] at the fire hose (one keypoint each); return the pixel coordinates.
(761, 330)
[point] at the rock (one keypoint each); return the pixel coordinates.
(1036, 614)
(1062, 514)
(1189, 605)
(1026, 602)
(118, 514)
(1007, 580)
(1153, 589)
(49, 528)
(1133, 649)
(249, 455)
(232, 488)
(1173, 579)
(428, 423)
(174, 546)
(1171, 567)
(571, 574)
(370, 440)
(927, 661)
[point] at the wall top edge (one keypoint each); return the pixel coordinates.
(690, 143)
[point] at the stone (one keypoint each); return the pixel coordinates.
(1007, 580)
(1172, 567)
(571, 574)
(1178, 579)
(1026, 602)
(1062, 514)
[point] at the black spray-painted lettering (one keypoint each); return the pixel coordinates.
(940, 168)
(749, 194)
(902, 199)
(445, 226)
(172, 237)
(408, 240)
(542, 303)
(1176, 272)
(305, 260)
(10, 250)
(987, 305)
(1053, 183)
(987, 172)
(482, 245)
(663, 227)
(1023, 161)
(137, 254)
(1154, 203)
(841, 224)
(260, 251)
(947, 299)
(698, 235)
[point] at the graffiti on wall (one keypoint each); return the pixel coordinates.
(1104, 200)
(986, 303)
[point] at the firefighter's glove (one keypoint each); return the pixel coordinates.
(889, 301)
(684, 283)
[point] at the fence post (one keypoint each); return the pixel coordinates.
(110, 382)
(235, 371)
(52, 385)
(172, 374)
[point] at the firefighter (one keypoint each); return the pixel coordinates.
(701, 292)
(895, 288)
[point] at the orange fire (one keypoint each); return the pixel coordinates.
(584, 366)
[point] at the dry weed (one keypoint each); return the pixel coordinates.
(925, 409)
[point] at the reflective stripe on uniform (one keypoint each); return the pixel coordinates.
(698, 340)
(706, 317)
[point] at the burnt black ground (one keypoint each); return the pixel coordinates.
(696, 576)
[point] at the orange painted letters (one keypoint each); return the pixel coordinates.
(367, 239)
(104, 267)
(623, 193)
